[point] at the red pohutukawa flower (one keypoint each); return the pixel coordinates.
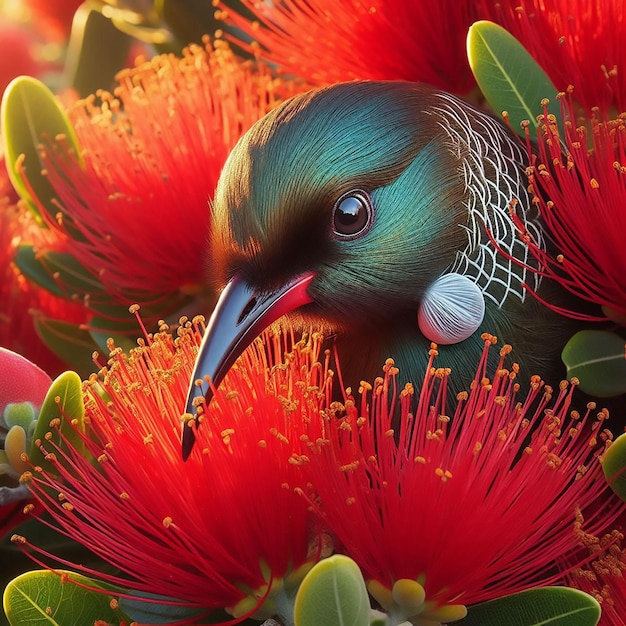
(55, 17)
(220, 530)
(469, 501)
(20, 301)
(446, 510)
(576, 42)
(578, 182)
(605, 577)
(134, 210)
(327, 42)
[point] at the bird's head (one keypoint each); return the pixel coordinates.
(343, 203)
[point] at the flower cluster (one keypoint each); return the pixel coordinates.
(578, 180)
(280, 465)
(577, 42)
(151, 153)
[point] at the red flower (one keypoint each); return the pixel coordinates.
(575, 41)
(470, 507)
(54, 16)
(134, 209)
(221, 530)
(17, 53)
(328, 42)
(20, 301)
(578, 182)
(604, 578)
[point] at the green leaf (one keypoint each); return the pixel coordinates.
(46, 598)
(97, 50)
(70, 273)
(162, 610)
(68, 341)
(614, 466)
(124, 335)
(548, 606)
(29, 113)
(29, 264)
(508, 76)
(333, 593)
(598, 359)
(68, 389)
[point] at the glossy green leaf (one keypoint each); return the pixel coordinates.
(29, 114)
(45, 598)
(508, 76)
(97, 50)
(30, 265)
(614, 466)
(71, 274)
(598, 359)
(124, 335)
(547, 606)
(189, 20)
(333, 593)
(64, 401)
(159, 610)
(68, 341)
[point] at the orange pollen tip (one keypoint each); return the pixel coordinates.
(67, 506)
(167, 521)
(18, 539)
(420, 459)
(349, 467)
(133, 308)
(103, 457)
(445, 475)
(350, 501)
(28, 509)
(124, 496)
(389, 433)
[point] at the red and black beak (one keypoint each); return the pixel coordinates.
(240, 315)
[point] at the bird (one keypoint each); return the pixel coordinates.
(379, 211)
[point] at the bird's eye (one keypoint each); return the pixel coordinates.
(352, 215)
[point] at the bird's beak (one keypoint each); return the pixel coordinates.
(240, 315)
